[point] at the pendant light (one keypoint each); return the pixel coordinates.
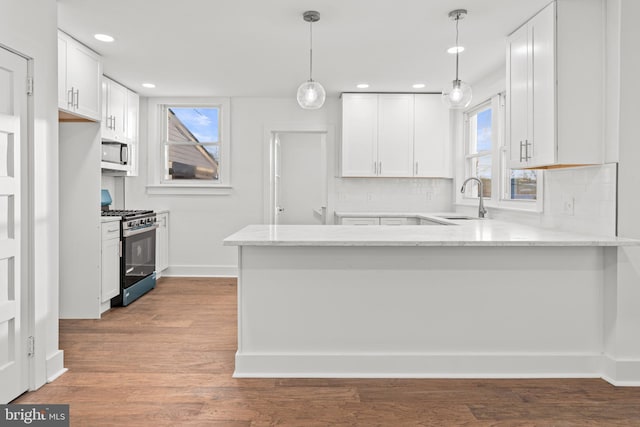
(459, 95)
(311, 94)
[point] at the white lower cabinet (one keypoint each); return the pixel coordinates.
(398, 221)
(360, 221)
(162, 242)
(110, 265)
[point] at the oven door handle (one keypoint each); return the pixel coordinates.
(129, 233)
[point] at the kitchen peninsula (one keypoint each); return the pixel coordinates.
(474, 298)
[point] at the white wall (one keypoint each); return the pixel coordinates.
(29, 27)
(629, 177)
(115, 186)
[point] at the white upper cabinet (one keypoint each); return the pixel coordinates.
(79, 73)
(359, 135)
(395, 135)
(431, 146)
(392, 135)
(114, 111)
(120, 118)
(555, 87)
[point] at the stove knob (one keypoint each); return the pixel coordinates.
(130, 224)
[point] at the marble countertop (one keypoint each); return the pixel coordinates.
(485, 232)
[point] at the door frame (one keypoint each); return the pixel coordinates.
(268, 156)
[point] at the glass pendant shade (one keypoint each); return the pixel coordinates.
(458, 96)
(311, 95)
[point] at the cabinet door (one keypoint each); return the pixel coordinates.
(359, 134)
(395, 135)
(110, 269)
(133, 108)
(518, 96)
(431, 145)
(393, 221)
(162, 242)
(543, 76)
(64, 96)
(360, 221)
(83, 75)
(115, 119)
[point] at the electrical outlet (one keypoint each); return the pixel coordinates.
(369, 197)
(568, 205)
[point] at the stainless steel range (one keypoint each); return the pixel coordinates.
(138, 255)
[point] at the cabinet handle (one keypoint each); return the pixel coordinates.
(77, 103)
(375, 168)
(380, 169)
(70, 98)
(416, 168)
(527, 144)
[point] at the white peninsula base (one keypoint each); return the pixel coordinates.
(438, 311)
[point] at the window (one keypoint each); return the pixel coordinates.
(485, 157)
(479, 149)
(189, 147)
(191, 142)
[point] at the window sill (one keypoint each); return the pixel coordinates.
(190, 189)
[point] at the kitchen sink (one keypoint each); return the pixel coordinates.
(458, 217)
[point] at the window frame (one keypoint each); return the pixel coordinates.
(157, 162)
(499, 164)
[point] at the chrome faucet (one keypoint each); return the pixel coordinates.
(481, 210)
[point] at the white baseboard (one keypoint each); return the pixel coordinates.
(418, 366)
(55, 366)
(624, 373)
(201, 271)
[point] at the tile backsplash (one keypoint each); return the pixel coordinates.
(393, 195)
(581, 199)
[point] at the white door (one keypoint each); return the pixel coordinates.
(13, 113)
(300, 178)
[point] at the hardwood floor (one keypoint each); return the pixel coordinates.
(167, 359)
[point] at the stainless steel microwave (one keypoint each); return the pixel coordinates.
(114, 152)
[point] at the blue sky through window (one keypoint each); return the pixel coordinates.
(202, 122)
(484, 130)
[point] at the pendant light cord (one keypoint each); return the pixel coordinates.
(457, 46)
(310, 51)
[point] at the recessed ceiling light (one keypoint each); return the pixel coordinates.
(362, 85)
(104, 38)
(148, 85)
(455, 49)
(419, 85)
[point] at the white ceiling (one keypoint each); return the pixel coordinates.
(260, 47)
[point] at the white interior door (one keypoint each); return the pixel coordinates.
(13, 345)
(300, 178)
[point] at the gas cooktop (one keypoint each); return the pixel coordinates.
(125, 213)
